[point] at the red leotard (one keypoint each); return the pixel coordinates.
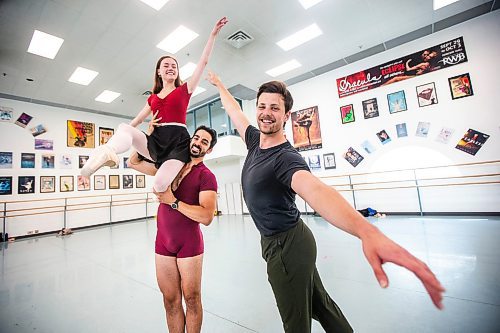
(173, 107)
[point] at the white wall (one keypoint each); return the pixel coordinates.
(478, 112)
(19, 140)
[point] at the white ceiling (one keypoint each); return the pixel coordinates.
(118, 39)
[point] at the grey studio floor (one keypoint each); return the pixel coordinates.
(103, 279)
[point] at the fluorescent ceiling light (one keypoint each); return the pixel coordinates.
(309, 3)
(300, 37)
(442, 3)
(181, 37)
(156, 4)
(286, 67)
(107, 96)
(198, 91)
(83, 76)
(187, 70)
(45, 45)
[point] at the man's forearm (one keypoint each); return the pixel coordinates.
(200, 214)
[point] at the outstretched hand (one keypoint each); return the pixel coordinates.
(220, 23)
(379, 249)
(212, 78)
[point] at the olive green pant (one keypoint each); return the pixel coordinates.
(297, 287)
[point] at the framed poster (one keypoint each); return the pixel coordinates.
(114, 182)
(26, 184)
(6, 114)
(370, 108)
(66, 184)
(83, 183)
(105, 134)
(5, 160)
(140, 181)
(472, 141)
(353, 157)
(99, 182)
(367, 146)
(82, 159)
(426, 94)
(128, 181)
(383, 137)
(37, 130)
(48, 161)
(66, 161)
(23, 120)
(27, 160)
(460, 86)
(347, 114)
(5, 185)
(41, 144)
(125, 166)
(397, 101)
(306, 129)
(423, 129)
(47, 184)
(401, 130)
(314, 162)
(80, 134)
(329, 161)
(445, 135)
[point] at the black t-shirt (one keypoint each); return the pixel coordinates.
(266, 179)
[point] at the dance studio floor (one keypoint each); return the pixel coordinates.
(103, 279)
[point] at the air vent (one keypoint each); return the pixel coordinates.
(239, 39)
(147, 93)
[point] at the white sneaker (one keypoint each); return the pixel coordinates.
(101, 156)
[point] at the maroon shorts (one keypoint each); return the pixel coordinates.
(177, 238)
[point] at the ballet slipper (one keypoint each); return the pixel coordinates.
(102, 156)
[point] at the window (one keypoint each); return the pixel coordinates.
(201, 116)
(190, 123)
(219, 118)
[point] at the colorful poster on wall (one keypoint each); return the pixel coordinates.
(5, 160)
(27, 160)
(434, 58)
(347, 114)
(47, 184)
(370, 108)
(423, 129)
(397, 101)
(472, 141)
(314, 162)
(306, 129)
(445, 135)
(26, 184)
(460, 86)
(80, 134)
(66, 184)
(383, 137)
(401, 130)
(38, 129)
(367, 146)
(353, 157)
(6, 114)
(5, 185)
(426, 94)
(83, 183)
(105, 134)
(329, 161)
(41, 144)
(23, 119)
(48, 161)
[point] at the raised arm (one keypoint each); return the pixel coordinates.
(377, 247)
(193, 81)
(141, 116)
(231, 106)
